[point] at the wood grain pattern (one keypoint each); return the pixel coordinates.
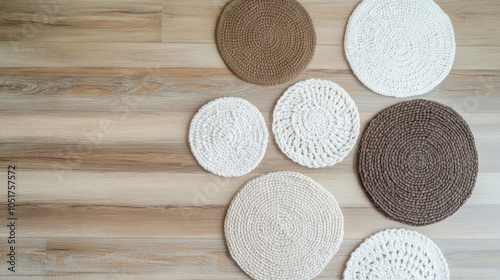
(206, 221)
(475, 22)
(96, 100)
(187, 55)
(203, 258)
(81, 21)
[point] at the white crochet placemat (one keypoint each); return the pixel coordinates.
(228, 136)
(400, 48)
(316, 123)
(283, 225)
(397, 254)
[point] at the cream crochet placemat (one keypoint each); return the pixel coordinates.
(316, 123)
(283, 225)
(397, 254)
(400, 48)
(228, 136)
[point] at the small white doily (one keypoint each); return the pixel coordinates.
(316, 123)
(283, 225)
(400, 48)
(397, 254)
(228, 136)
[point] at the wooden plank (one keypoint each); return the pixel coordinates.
(72, 187)
(152, 259)
(30, 257)
(475, 22)
(177, 189)
(109, 55)
(75, 127)
(165, 157)
(209, 259)
(81, 21)
(164, 221)
(188, 55)
(74, 258)
(186, 90)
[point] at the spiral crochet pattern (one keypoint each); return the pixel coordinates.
(283, 225)
(316, 123)
(228, 136)
(417, 162)
(265, 42)
(400, 48)
(397, 254)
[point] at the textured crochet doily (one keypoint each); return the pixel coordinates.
(228, 136)
(283, 225)
(265, 42)
(417, 162)
(400, 48)
(316, 123)
(397, 254)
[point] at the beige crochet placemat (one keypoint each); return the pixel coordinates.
(265, 42)
(417, 162)
(283, 225)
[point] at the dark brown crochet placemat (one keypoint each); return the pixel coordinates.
(417, 162)
(265, 42)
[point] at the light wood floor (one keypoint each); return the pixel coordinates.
(95, 102)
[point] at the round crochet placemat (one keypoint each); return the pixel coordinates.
(397, 254)
(265, 42)
(283, 225)
(400, 48)
(228, 136)
(316, 123)
(417, 162)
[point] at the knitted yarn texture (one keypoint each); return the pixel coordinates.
(397, 254)
(283, 225)
(400, 48)
(228, 136)
(265, 42)
(417, 162)
(316, 123)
